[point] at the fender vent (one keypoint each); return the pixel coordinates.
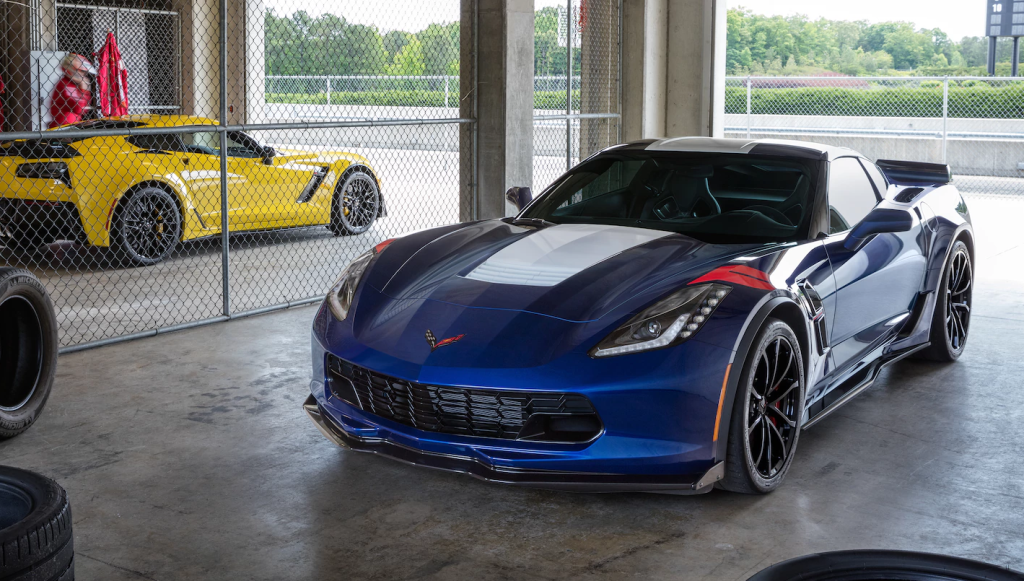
(314, 183)
(908, 195)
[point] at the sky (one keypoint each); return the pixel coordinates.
(958, 18)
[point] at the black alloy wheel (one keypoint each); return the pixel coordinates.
(958, 300)
(767, 413)
(357, 204)
(147, 226)
(951, 321)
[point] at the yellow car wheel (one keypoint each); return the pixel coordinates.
(146, 227)
(356, 205)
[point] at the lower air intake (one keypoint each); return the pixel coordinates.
(506, 415)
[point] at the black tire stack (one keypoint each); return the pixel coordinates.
(35, 528)
(35, 517)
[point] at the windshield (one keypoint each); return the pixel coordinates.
(714, 197)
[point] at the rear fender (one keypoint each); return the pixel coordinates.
(99, 235)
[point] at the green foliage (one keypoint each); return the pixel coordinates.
(758, 45)
(969, 99)
(409, 61)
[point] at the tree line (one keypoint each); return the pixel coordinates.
(328, 44)
(797, 45)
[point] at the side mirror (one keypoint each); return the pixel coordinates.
(519, 197)
(879, 221)
(268, 153)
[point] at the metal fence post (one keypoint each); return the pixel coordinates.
(568, 85)
(328, 90)
(225, 273)
(945, 116)
(748, 107)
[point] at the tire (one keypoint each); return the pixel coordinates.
(35, 528)
(28, 350)
(767, 413)
(357, 204)
(146, 227)
(875, 565)
(951, 321)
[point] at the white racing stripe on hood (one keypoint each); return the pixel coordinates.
(553, 254)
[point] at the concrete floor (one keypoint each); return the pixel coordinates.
(187, 456)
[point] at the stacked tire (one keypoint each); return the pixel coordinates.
(870, 565)
(35, 528)
(35, 517)
(28, 350)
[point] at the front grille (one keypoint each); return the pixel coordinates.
(557, 417)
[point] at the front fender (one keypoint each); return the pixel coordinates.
(760, 313)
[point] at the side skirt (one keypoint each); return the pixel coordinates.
(861, 381)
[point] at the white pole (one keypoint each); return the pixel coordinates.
(945, 116)
(748, 107)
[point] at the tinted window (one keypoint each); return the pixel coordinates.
(208, 143)
(881, 184)
(156, 142)
(722, 198)
(850, 194)
(616, 176)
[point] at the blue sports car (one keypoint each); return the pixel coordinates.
(667, 316)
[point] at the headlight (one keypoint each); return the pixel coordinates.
(46, 170)
(343, 291)
(670, 321)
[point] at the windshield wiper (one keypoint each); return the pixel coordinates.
(535, 222)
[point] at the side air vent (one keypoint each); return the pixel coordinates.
(314, 183)
(908, 195)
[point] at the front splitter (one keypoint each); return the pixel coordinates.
(545, 479)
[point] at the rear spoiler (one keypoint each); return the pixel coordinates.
(915, 172)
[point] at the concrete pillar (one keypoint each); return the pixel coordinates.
(645, 49)
(599, 75)
(200, 57)
(498, 92)
(675, 84)
(255, 62)
(15, 65)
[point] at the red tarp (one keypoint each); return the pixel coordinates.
(112, 80)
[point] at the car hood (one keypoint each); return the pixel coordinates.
(574, 273)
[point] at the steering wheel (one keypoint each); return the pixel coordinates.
(772, 213)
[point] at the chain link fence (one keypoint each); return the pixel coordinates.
(172, 185)
(577, 113)
(975, 124)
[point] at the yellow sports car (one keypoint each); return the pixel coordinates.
(143, 194)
